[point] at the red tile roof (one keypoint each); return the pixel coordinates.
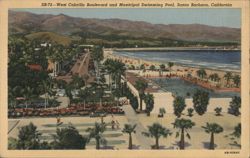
(35, 67)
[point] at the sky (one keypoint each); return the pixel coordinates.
(215, 17)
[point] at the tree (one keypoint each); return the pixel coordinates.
(234, 106)
(236, 134)
(236, 80)
(97, 56)
(152, 67)
(28, 94)
(170, 65)
(156, 131)
(200, 101)
(68, 138)
(77, 82)
(237, 131)
(61, 84)
(129, 129)
(134, 102)
(28, 137)
(115, 69)
(142, 67)
(190, 112)
(183, 125)
(96, 133)
(218, 111)
(98, 91)
(162, 68)
(162, 111)
(141, 86)
(228, 77)
(214, 77)
(179, 105)
(149, 101)
(201, 73)
(68, 92)
(212, 128)
(84, 94)
(47, 89)
(12, 97)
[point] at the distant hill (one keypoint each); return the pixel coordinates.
(49, 37)
(118, 29)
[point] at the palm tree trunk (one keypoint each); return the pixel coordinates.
(97, 144)
(26, 104)
(148, 113)
(182, 141)
(130, 141)
(156, 143)
(110, 81)
(211, 146)
(84, 104)
(140, 102)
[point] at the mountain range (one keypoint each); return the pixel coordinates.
(28, 23)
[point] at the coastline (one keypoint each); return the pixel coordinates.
(136, 61)
(218, 48)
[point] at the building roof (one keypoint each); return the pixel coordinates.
(35, 67)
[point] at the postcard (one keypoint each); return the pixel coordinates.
(110, 78)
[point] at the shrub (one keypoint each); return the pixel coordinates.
(162, 111)
(190, 112)
(218, 111)
(234, 107)
(200, 101)
(179, 105)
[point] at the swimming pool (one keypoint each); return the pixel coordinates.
(186, 89)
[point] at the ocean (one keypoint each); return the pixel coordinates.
(221, 60)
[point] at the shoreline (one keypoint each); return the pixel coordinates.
(150, 62)
(218, 48)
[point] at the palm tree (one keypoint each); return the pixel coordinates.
(170, 65)
(83, 94)
(152, 67)
(156, 131)
(96, 133)
(201, 73)
(162, 67)
(115, 69)
(98, 91)
(141, 86)
(183, 125)
(12, 96)
(97, 56)
(129, 129)
(28, 94)
(228, 77)
(46, 86)
(212, 128)
(236, 80)
(149, 101)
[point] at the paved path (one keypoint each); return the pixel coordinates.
(144, 142)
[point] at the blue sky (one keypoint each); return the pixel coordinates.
(214, 17)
